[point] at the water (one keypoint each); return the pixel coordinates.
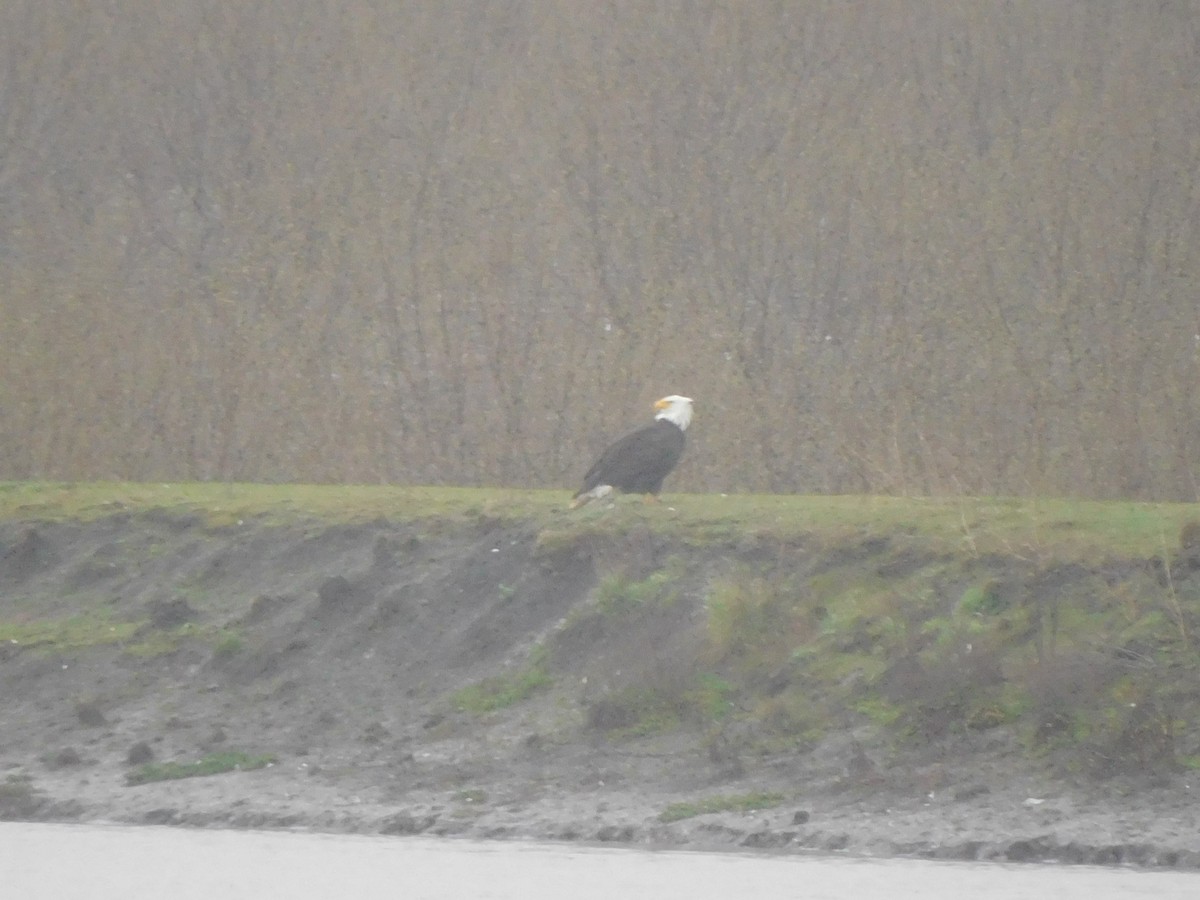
(64, 862)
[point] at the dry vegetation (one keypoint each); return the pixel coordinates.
(890, 248)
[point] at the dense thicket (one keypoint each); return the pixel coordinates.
(888, 247)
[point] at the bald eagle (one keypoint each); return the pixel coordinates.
(639, 462)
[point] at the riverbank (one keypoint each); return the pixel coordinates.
(776, 678)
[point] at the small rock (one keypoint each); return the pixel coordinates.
(800, 817)
(139, 754)
(765, 840)
(1026, 851)
(616, 833)
(407, 823)
(968, 850)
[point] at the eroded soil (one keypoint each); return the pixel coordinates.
(339, 650)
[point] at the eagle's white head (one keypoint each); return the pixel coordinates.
(675, 409)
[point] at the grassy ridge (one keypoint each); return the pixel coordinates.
(1067, 529)
(225, 503)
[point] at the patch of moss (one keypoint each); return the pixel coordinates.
(70, 633)
(712, 697)
(506, 690)
(879, 710)
(213, 764)
(731, 803)
(228, 643)
(617, 593)
(151, 643)
(982, 599)
(752, 621)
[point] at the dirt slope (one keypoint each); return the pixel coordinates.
(475, 677)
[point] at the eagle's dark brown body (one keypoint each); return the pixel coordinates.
(638, 462)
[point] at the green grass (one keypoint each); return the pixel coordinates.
(97, 629)
(1093, 666)
(221, 504)
(225, 641)
(617, 593)
(213, 764)
(503, 691)
(228, 642)
(751, 617)
(712, 697)
(1021, 526)
(1028, 527)
(500, 692)
(70, 633)
(734, 803)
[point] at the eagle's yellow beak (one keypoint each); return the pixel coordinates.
(661, 404)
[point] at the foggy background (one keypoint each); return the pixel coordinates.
(893, 247)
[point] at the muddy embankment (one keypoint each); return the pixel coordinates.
(514, 679)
